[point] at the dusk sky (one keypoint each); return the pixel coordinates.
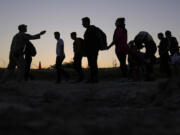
(65, 16)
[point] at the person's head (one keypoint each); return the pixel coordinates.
(56, 35)
(22, 28)
(168, 34)
(73, 35)
(160, 36)
(120, 22)
(86, 22)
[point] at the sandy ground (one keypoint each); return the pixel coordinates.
(108, 107)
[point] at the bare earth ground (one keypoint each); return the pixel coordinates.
(109, 107)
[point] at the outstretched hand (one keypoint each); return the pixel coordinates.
(42, 32)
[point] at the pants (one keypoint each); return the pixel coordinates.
(92, 62)
(59, 69)
(164, 65)
(13, 62)
(28, 60)
(77, 66)
(122, 59)
(150, 60)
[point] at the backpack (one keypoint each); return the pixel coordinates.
(173, 46)
(101, 36)
(30, 49)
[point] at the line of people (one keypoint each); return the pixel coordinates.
(140, 64)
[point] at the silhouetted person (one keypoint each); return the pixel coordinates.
(78, 55)
(91, 44)
(135, 60)
(60, 57)
(30, 52)
(174, 48)
(164, 55)
(120, 42)
(144, 39)
(16, 56)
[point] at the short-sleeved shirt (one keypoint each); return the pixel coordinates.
(60, 44)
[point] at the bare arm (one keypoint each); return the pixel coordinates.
(112, 43)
